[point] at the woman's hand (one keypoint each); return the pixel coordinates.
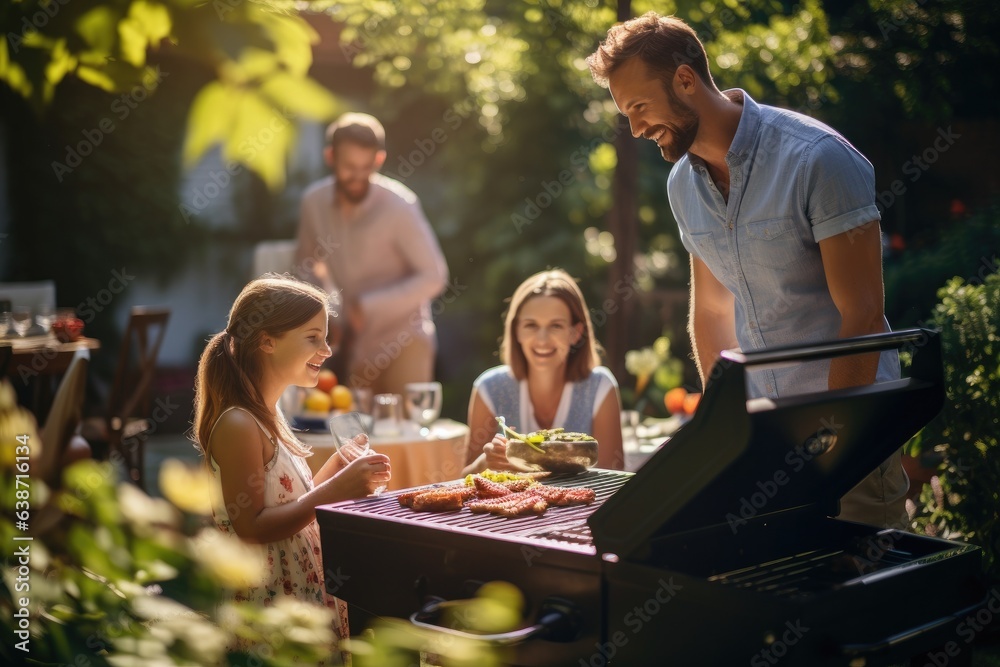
(496, 454)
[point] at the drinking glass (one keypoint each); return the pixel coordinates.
(21, 317)
(362, 398)
(423, 404)
(387, 415)
(5, 323)
(45, 316)
(345, 428)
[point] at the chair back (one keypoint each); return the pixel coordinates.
(34, 295)
(130, 392)
(63, 418)
(276, 256)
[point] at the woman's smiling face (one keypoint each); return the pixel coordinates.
(545, 332)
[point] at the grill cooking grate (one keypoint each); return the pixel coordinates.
(812, 571)
(562, 525)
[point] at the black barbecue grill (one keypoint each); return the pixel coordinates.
(707, 555)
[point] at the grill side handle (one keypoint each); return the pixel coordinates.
(915, 340)
(911, 635)
(559, 620)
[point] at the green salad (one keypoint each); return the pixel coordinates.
(535, 438)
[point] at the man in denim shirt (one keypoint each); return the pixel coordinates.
(778, 213)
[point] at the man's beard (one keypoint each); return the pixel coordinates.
(682, 132)
(351, 196)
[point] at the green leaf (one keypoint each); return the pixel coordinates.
(147, 23)
(97, 28)
(133, 42)
(151, 18)
(253, 64)
(299, 96)
(259, 138)
(61, 63)
(13, 73)
(293, 39)
(210, 119)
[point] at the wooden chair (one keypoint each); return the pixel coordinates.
(6, 352)
(129, 403)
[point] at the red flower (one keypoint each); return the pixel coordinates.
(286, 482)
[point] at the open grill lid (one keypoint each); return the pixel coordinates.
(736, 460)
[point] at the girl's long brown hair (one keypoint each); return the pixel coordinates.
(230, 368)
(584, 356)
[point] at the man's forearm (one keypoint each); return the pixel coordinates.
(856, 370)
(708, 341)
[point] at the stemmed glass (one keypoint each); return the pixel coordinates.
(345, 428)
(423, 404)
(22, 320)
(45, 316)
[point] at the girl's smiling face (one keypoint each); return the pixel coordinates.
(298, 355)
(545, 332)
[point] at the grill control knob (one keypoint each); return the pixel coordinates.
(820, 442)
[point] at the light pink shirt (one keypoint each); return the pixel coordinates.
(384, 255)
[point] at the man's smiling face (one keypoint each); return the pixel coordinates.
(653, 110)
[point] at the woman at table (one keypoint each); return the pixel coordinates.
(550, 376)
(276, 337)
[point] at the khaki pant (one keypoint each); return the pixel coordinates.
(880, 498)
(414, 362)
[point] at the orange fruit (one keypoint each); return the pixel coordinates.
(673, 400)
(691, 403)
(340, 398)
(317, 401)
(327, 380)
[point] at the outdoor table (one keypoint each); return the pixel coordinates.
(416, 460)
(38, 362)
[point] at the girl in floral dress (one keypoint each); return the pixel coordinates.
(276, 337)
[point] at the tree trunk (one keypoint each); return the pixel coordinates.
(622, 224)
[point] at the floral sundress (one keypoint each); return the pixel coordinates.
(294, 565)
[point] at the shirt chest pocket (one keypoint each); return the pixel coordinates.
(771, 244)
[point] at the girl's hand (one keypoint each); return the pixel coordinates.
(496, 454)
(362, 475)
(339, 459)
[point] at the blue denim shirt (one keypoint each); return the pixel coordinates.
(793, 182)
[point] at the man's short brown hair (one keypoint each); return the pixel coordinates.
(356, 128)
(662, 42)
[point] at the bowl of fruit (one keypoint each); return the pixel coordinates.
(318, 403)
(551, 449)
